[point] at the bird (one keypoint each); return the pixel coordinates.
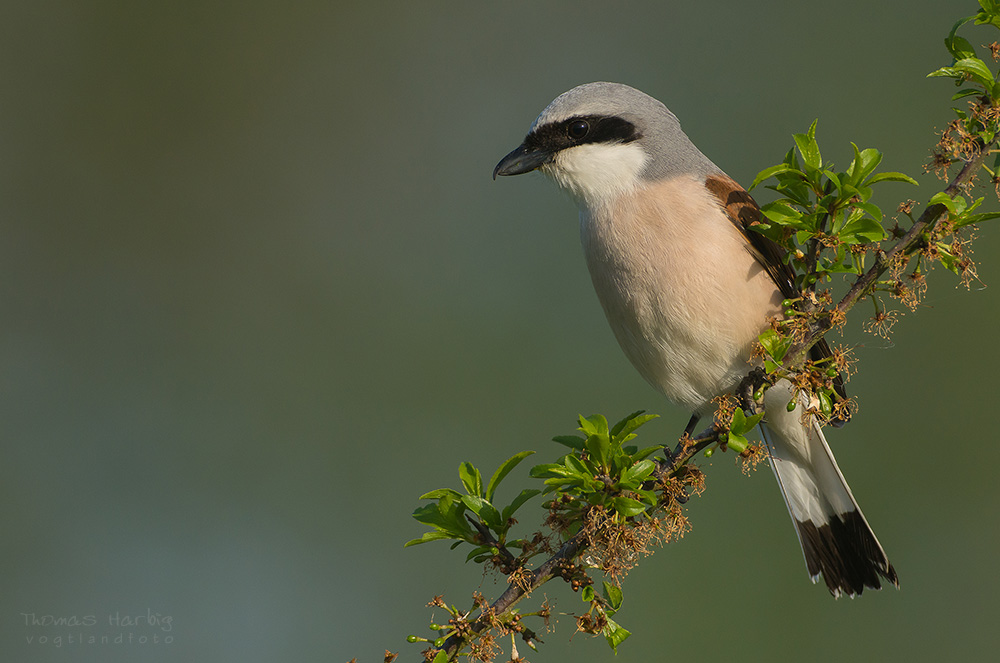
(687, 287)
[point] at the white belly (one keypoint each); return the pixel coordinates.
(684, 297)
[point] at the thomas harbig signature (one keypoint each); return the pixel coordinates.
(111, 628)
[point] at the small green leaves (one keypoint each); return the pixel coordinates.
(603, 469)
(809, 148)
(604, 481)
(960, 211)
(624, 428)
(970, 219)
(861, 229)
(890, 177)
(615, 634)
(594, 425)
(783, 214)
(864, 162)
(633, 477)
(613, 595)
(503, 471)
(775, 345)
(968, 69)
(988, 15)
(979, 125)
(522, 497)
(471, 479)
(448, 516)
(572, 441)
(487, 512)
(628, 507)
(605, 606)
(775, 171)
(739, 427)
(959, 47)
(821, 211)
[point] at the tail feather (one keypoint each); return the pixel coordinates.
(836, 540)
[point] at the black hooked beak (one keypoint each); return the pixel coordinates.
(522, 160)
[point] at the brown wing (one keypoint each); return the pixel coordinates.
(744, 212)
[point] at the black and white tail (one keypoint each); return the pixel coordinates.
(836, 540)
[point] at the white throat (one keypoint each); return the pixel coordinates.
(598, 173)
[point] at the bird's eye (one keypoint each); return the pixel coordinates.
(578, 129)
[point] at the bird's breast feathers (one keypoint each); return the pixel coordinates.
(684, 295)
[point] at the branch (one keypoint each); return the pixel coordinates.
(906, 246)
(529, 581)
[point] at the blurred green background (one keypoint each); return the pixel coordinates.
(259, 293)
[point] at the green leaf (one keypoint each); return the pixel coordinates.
(577, 466)
(947, 72)
(599, 448)
(436, 515)
(833, 177)
(445, 515)
(613, 595)
(440, 657)
(630, 423)
(614, 633)
(571, 441)
(959, 47)
(864, 162)
(774, 343)
(809, 148)
(441, 492)
(620, 426)
(836, 267)
(639, 472)
(553, 471)
(436, 535)
(890, 177)
(962, 21)
(648, 496)
(471, 479)
(873, 210)
(968, 92)
(595, 424)
(503, 471)
(645, 453)
(782, 214)
(780, 169)
(737, 443)
(862, 230)
(952, 204)
(477, 551)
(522, 497)
(977, 69)
(742, 423)
(976, 218)
(988, 15)
(825, 403)
(486, 512)
(946, 257)
(627, 506)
